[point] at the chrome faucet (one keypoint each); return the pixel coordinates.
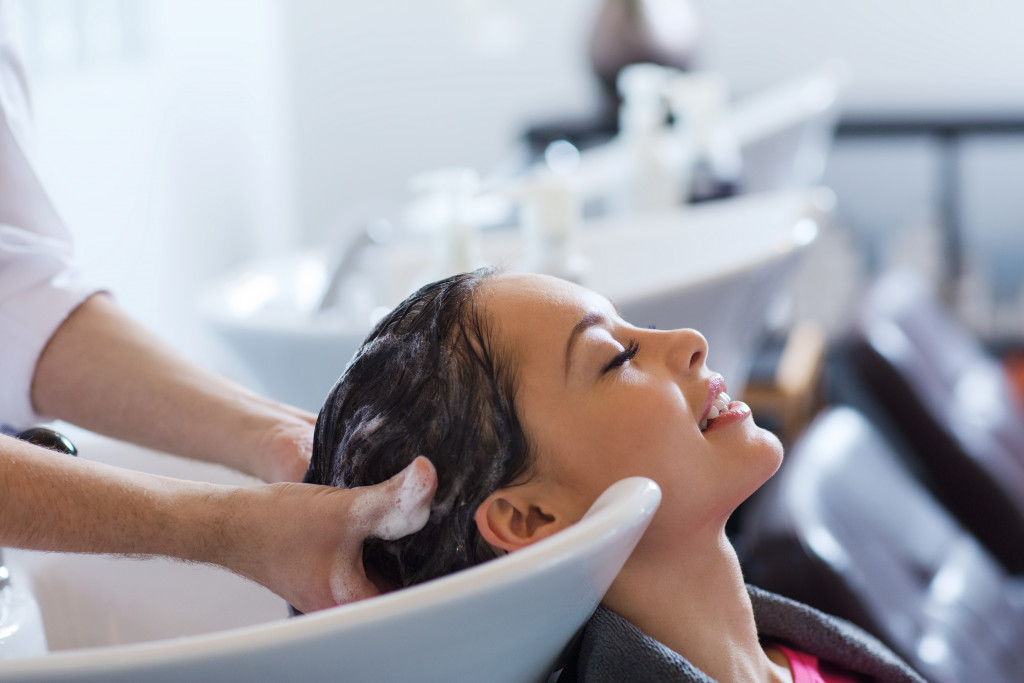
(376, 231)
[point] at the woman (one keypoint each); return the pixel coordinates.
(531, 396)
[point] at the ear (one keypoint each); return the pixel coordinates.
(511, 519)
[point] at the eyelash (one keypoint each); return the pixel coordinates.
(627, 354)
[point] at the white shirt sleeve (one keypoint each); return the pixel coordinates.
(39, 284)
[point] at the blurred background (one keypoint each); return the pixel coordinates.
(221, 162)
(181, 138)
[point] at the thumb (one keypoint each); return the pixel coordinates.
(399, 506)
(389, 510)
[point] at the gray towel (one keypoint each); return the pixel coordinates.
(612, 650)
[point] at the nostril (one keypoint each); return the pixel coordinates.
(697, 359)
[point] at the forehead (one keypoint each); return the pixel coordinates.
(526, 307)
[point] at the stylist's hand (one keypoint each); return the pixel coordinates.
(307, 541)
(284, 447)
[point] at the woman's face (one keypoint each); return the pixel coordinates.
(602, 400)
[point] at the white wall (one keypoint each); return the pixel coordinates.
(386, 89)
(932, 57)
(906, 55)
(162, 135)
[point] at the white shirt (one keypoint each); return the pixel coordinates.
(39, 285)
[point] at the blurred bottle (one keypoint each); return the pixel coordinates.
(699, 103)
(651, 171)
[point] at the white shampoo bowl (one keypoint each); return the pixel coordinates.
(506, 620)
(718, 268)
(715, 267)
(785, 132)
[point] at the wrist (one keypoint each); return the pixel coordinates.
(267, 534)
(215, 524)
(284, 450)
(192, 521)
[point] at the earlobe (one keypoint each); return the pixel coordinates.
(511, 522)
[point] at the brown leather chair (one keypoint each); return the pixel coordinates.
(846, 528)
(951, 403)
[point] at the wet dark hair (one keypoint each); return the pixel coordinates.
(428, 380)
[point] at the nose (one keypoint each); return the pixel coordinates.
(687, 350)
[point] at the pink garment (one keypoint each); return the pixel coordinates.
(807, 669)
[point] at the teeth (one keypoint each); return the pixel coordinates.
(718, 406)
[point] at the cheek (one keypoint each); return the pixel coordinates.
(600, 444)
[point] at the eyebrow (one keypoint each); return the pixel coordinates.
(585, 323)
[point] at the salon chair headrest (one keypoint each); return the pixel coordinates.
(947, 399)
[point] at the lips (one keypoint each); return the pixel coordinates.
(716, 403)
(719, 408)
(737, 411)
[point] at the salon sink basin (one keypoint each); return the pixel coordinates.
(111, 619)
(89, 601)
(716, 267)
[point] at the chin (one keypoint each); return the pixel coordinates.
(772, 450)
(763, 461)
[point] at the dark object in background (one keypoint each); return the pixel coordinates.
(641, 32)
(48, 438)
(786, 385)
(713, 181)
(845, 528)
(952, 405)
(625, 32)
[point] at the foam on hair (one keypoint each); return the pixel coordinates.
(429, 380)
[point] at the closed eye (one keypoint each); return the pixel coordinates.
(627, 354)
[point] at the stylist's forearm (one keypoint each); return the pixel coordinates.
(106, 373)
(301, 541)
(55, 502)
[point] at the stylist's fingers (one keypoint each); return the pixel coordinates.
(390, 510)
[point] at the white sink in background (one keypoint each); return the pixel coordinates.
(715, 267)
(113, 619)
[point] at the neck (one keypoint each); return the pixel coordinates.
(692, 598)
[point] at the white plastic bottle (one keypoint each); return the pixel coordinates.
(549, 214)
(648, 182)
(446, 206)
(711, 163)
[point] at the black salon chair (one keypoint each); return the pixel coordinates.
(846, 528)
(936, 388)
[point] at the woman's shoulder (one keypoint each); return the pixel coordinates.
(612, 649)
(827, 637)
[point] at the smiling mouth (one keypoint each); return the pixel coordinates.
(719, 405)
